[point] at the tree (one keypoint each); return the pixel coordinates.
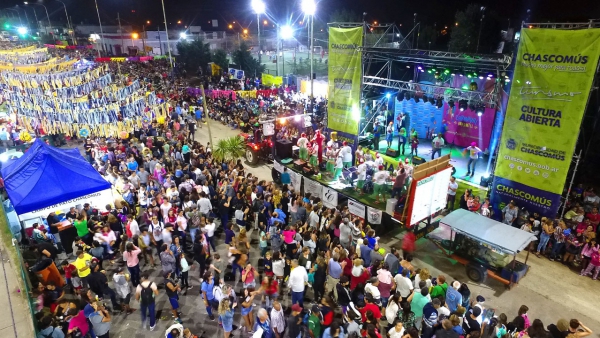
(344, 15)
(465, 34)
(427, 37)
(219, 57)
(246, 61)
(229, 149)
(193, 54)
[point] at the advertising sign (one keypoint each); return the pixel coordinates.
(344, 79)
(330, 197)
(374, 216)
(550, 88)
(356, 208)
(97, 200)
(271, 80)
(312, 187)
(429, 196)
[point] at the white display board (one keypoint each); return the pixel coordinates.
(430, 195)
(355, 208)
(330, 197)
(97, 200)
(312, 187)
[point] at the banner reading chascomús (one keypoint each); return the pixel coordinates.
(551, 84)
(344, 79)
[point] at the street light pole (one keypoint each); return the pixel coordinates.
(18, 15)
(47, 16)
(258, 26)
(26, 18)
(69, 25)
(101, 32)
(167, 33)
(37, 22)
(312, 77)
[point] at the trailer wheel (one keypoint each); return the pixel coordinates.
(476, 273)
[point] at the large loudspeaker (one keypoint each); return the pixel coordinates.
(416, 160)
(391, 152)
(284, 148)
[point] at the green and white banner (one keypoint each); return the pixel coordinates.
(345, 73)
(553, 76)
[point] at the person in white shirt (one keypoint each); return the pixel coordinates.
(277, 319)
(209, 230)
(297, 281)
(371, 287)
(362, 176)
(379, 188)
(346, 153)
(204, 204)
(404, 286)
(452, 186)
(437, 144)
(303, 144)
(378, 160)
(339, 166)
(155, 228)
(473, 156)
(134, 228)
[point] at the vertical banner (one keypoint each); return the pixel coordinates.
(330, 197)
(345, 62)
(553, 76)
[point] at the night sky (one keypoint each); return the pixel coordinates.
(199, 12)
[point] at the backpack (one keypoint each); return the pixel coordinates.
(218, 293)
(195, 219)
(147, 295)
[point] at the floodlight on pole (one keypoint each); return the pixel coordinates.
(182, 35)
(287, 32)
(258, 6)
(22, 30)
(309, 7)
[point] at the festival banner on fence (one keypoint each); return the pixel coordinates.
(296, 180)
(345, 58)
(356, 208)
(551, 84)
(312, 187)
(271, 80)
(330, 197)
(374, 216)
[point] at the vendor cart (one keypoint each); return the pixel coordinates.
(486, 247)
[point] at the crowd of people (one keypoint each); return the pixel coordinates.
(187, 226)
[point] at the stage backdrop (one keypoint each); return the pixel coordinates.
(464, 127)
(424, 117)
(551, 84)
(344, 81)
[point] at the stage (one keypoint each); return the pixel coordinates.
(457, 159)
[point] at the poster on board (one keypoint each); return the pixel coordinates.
(356, 208)
(312, 187)
(374, 216)
(330, 197)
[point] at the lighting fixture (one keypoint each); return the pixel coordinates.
(462, 105)
(451, 103)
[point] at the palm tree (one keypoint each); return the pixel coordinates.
(229, 149)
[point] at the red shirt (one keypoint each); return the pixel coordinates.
(594, 218)
(69, 270)
(374, 308)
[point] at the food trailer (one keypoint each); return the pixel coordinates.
(485, 246)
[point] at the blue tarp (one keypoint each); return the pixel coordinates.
(45, 176)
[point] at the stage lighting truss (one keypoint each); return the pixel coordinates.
(488, 99)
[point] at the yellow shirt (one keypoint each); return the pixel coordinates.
(81, 263)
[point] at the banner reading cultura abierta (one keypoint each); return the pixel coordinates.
(551, 84)
(344, 79)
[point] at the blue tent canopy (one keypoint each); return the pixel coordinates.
(45, 176)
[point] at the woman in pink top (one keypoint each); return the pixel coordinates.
(587, 251)
(133, 262)
(288, 235)
(78, 322)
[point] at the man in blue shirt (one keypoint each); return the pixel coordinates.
(453, 297)
(178, 109)
(365, 253)
(285, 177)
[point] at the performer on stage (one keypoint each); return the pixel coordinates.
(339, 166)
(303, 144)
(389, 134)
(377, 131)
(473, 157)
(378, 160)
(437, 144)
(314, 149)
(330, 167)
(408, 167)
(362, 175)
(346, 153)
(359, 154)
(319, 139)
(380, 178)
(401, 140)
